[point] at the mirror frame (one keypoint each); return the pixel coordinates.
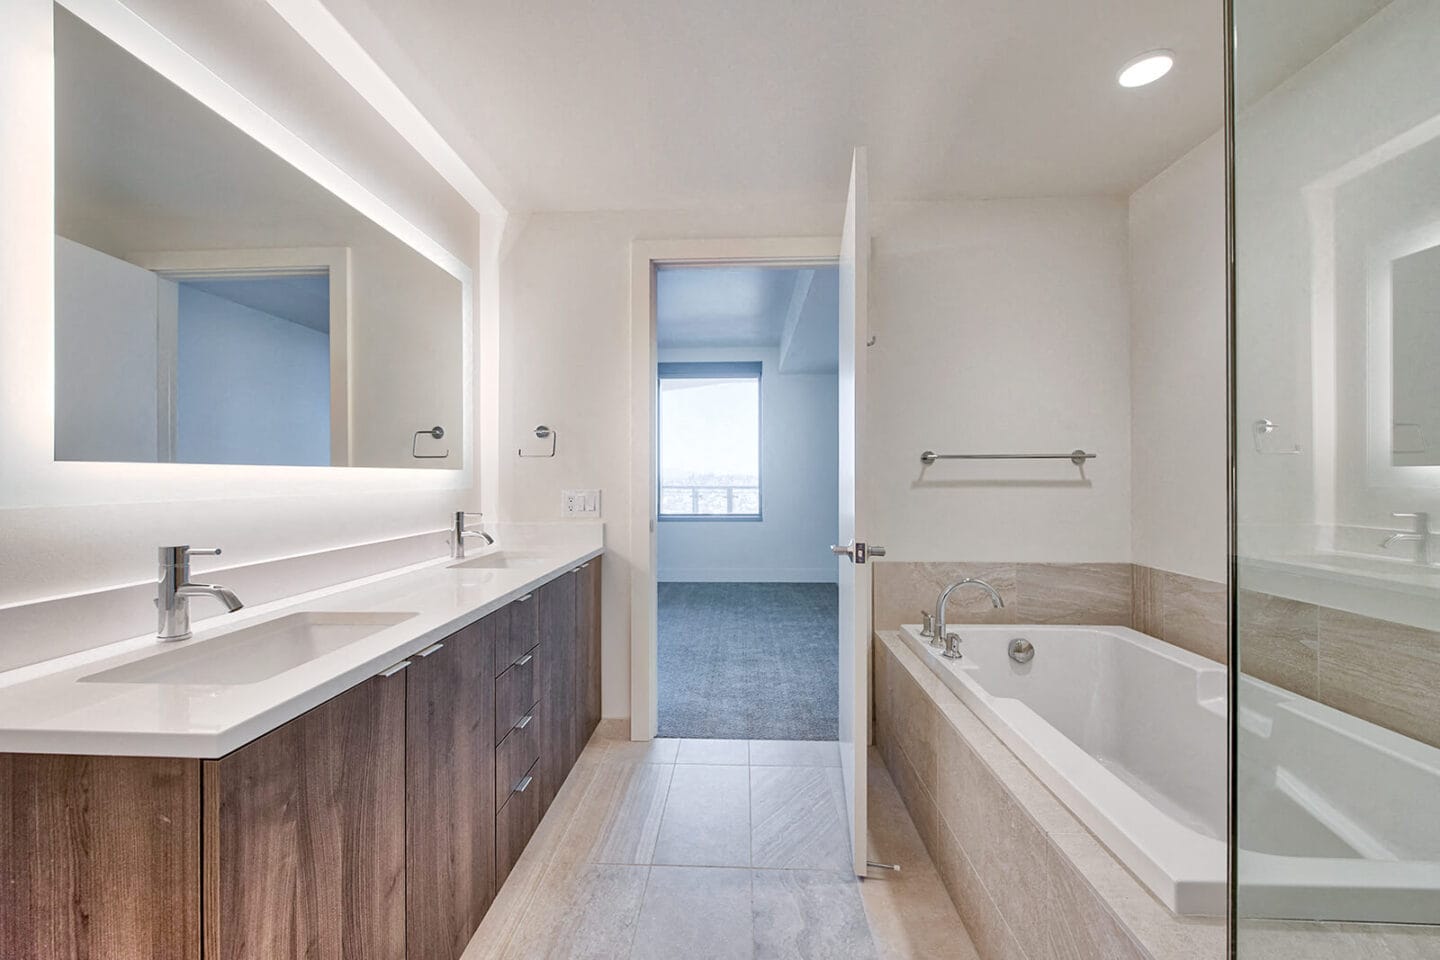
(27, 444)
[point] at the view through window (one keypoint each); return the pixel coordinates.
(709, 417)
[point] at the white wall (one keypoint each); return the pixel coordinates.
(251, 388)
(800, 491)
(1354, 112)
(1177, 367)
(565, 336)
(106, 404)
(65, 530)
(1001, 326)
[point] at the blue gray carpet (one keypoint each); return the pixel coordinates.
(749, 661)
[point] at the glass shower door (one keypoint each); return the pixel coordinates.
(1336, 378)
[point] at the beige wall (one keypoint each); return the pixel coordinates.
(1000, 325)
(1186, 611)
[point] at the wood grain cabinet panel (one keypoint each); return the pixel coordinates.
(558, 735)
(516, 692)
(587, 672)
(449, 805)
(516, 823)
(304, 835)
(522, 630)
(99, 857)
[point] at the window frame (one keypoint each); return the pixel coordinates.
(712, 370)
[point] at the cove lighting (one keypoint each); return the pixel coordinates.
(1146, 68)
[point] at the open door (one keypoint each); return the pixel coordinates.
(853, 554)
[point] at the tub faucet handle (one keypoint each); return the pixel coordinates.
(927, 621)
(952, 647)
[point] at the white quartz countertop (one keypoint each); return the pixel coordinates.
(50, 707)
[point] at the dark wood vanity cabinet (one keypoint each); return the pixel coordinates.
(558, 662)
(449, 808)
(304, 835)
(587, 639)
(377, 826)
(99, 857)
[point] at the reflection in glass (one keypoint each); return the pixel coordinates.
(1337, 344)
(213, 304)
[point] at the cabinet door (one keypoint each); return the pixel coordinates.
(587, 663)
(449, 806)
(304, 835)
(557, 689)
(99, 857)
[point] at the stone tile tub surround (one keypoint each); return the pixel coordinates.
(1376, 670)
(1185, 611)
(1029, 881)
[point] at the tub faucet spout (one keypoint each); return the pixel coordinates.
(952, 640)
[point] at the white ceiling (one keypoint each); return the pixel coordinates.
(634, 104)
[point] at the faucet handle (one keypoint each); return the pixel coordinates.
(927, 621)
(179, 555)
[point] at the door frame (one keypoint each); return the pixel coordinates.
(645, 257)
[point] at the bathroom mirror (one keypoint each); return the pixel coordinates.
(1415, 337)
(213, 304)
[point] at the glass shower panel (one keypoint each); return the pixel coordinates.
(1337, 407)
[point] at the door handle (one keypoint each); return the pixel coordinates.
(858, 551)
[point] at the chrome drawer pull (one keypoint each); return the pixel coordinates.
(430, 649)
(524, 784)
(524, 721)
(524, 660)
(524, 598)
(392, 670)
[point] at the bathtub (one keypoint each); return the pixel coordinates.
(1129, 733)
(1339, 816)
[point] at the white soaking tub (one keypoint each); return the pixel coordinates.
(1128, 731)
(1340, 818)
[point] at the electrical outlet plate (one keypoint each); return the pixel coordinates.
(580, 503)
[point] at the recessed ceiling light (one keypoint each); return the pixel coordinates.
(1146, 68)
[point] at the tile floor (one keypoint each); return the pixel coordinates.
(695, 849)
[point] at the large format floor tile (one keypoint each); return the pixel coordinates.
(797, 818)
(714, 751)
(693, 859)
(697, 913)
(794, 753)
(810, 913)
(707, 818)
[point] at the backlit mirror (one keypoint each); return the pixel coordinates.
(213, 304)
(1415, 325)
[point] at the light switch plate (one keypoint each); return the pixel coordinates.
(580, 503)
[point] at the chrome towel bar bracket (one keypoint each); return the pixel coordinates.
(1077, 457)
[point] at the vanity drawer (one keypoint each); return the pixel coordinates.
(516, 754)
(516, 692)
(519, 634)
(515, 824)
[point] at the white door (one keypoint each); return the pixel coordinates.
(853, 555)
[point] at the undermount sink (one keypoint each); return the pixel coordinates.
(253, 654)
(501, 560)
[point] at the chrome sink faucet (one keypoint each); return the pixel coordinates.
(173, 603)
(1421, 536)
(942, 633)
(461, 530)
